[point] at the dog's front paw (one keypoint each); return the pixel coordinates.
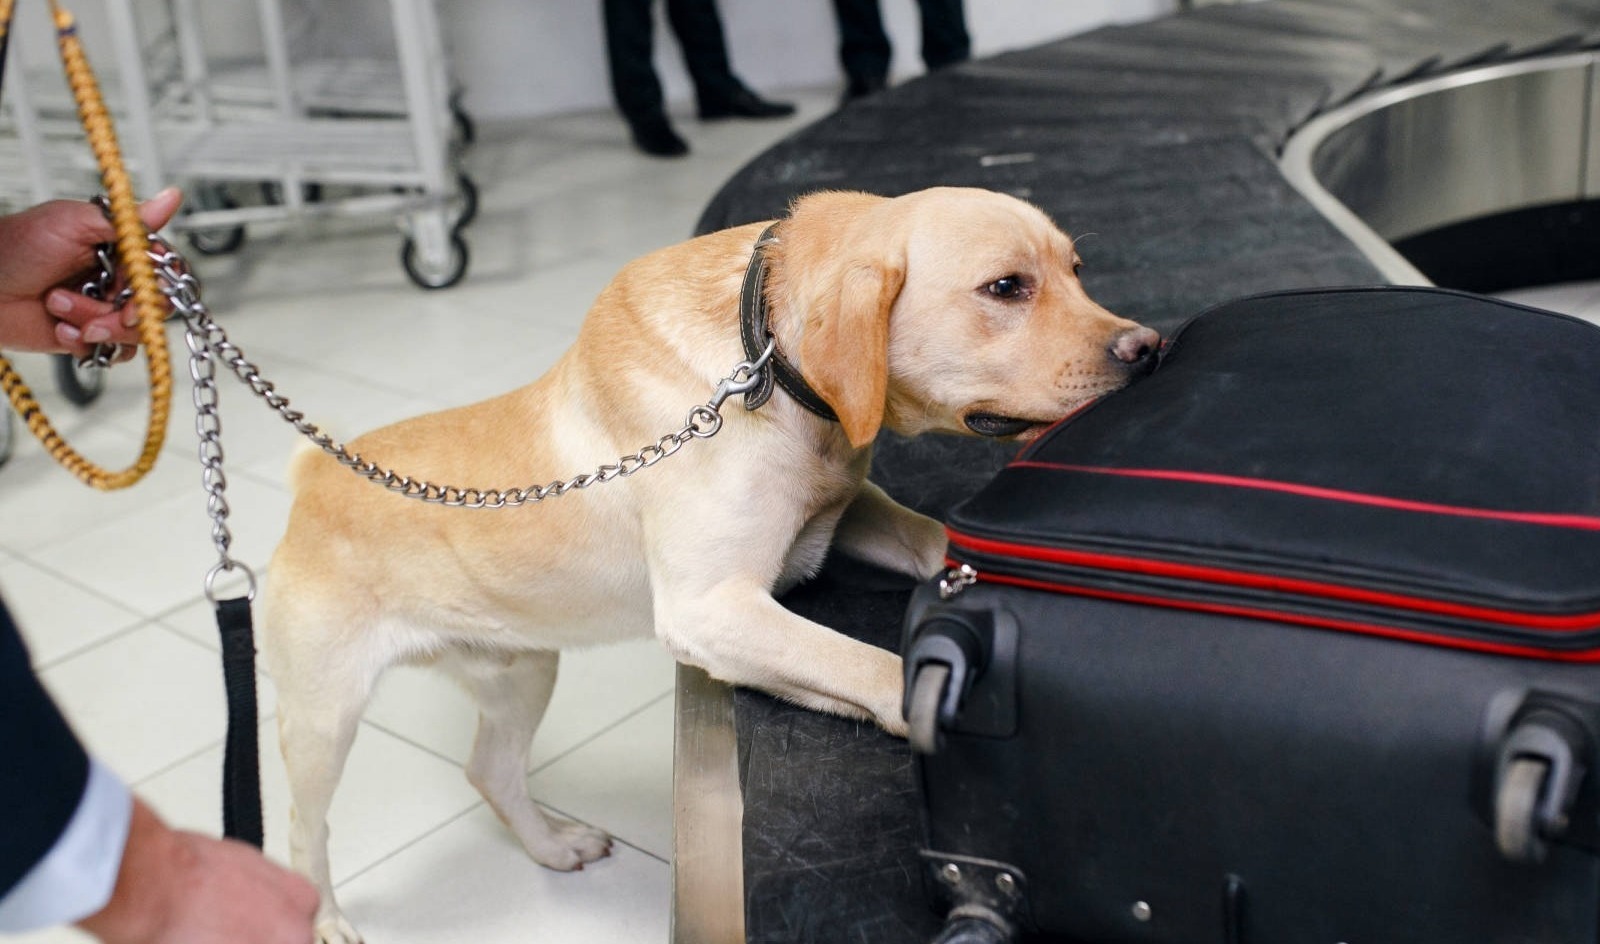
(568, 846)
(895, 725)
(334, 929)
(929, 545)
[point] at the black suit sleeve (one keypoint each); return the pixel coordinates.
(43, 768)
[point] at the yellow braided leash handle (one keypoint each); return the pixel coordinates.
(132, 243)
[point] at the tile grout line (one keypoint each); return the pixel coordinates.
(548, 762)
(603, 731)
(468, 812)
(88, 647)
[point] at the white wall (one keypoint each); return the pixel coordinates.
(518, 58)
(523, 58)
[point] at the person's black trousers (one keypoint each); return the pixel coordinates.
(629, 47)
(864, 48)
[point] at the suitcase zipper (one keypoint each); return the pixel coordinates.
(1034, 568)
(955, 580)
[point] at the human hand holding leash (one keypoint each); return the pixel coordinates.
(179, 887)
(49, 247)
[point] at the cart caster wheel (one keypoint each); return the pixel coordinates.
(80, 385)
(272, 193)
(1516, 830)
(469, 200)
(8, 437)
(223, 239)
(972, 930)
(922, 717)
(216, 242)
(444, 277)
(466, 131)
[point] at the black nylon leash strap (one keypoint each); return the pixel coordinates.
(754, 331)
(241, 758)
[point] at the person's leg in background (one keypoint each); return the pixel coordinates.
(944, 33)
(864, 49)
(634, 84)
(719, 93)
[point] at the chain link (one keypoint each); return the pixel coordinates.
(209, 344)
(99, 289)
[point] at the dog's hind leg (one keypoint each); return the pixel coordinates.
(317, 722)
(512, 691)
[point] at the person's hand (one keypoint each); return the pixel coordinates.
(178, 887)
(46, 254)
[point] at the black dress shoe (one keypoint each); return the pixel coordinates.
(744, 104)
(861, 88)
(655, 137)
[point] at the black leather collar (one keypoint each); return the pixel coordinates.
(755, 332)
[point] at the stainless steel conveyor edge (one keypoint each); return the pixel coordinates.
(1463, 145)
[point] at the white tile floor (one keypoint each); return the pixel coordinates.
(108, 587)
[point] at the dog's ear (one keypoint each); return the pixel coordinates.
(844, 352)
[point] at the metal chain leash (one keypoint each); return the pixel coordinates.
(208, 344)
(99, 288)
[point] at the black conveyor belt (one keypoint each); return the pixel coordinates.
(1160, 140)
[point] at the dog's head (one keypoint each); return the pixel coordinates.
(948, 309)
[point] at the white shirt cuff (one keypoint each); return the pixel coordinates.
(76, 877)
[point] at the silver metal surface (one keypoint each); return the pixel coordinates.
(1591, 162)
(707, 815)
(956, 580)
(1413, 158)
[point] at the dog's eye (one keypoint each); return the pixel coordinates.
(1008, 287)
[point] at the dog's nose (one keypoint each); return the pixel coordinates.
(1137, 348)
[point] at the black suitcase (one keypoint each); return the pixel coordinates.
(1293, 640)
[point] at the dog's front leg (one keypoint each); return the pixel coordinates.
(738, 633)
(879, 530)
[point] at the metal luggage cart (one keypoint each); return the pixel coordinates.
(389, 155)
(319, 85)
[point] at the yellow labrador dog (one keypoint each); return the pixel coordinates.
(951, 310)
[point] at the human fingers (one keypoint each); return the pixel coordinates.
(81, 319)
(155, 213)
(161, 208)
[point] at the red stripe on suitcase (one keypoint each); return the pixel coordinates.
(1581, 522)
(1215, 575)
(1366, 629)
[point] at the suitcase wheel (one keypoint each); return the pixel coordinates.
(922, 716)
(1516, 810)
(1540, 769)
(968, 929)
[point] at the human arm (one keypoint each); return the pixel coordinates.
(74, 846)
